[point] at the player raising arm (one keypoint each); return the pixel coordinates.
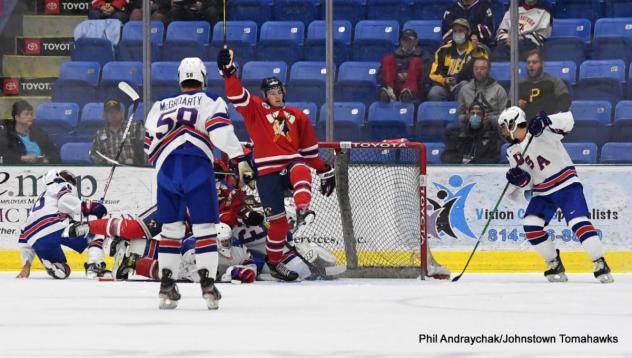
(547, 168)
(285, 146)
(180, 132)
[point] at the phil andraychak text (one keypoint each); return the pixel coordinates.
(517, 339)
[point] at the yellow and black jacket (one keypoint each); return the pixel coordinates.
(448, 62)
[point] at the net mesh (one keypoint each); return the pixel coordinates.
(372, 221)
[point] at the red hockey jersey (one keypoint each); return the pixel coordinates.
(280, 135)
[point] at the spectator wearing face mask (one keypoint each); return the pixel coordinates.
(474, 142)
(452, 66)
(535, 24)
(401, 73)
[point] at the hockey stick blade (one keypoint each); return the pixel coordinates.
(129, 91)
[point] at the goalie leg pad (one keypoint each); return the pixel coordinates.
(301, 181)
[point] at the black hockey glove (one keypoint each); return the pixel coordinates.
(244, 168)
(253, 218)
(327, 180)
(225, 62)
(538, 124)
(518, 177)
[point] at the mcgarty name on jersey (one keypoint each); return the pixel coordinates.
(517, 339)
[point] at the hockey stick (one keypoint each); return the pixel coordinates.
(131, 93)
(491, 216)
(224, 24)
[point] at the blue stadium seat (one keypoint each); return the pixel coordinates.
(618, 26)
(164, 79)
(374, 39)
(77, 82)
(592, 122)
(612, 47)
(241, 36)
(305, 11)
(349, 121)
(430, 9)
(177, 50)
(499, 8)
(115, 72)
(577, 9)
(238, 124)
(253, 72)
(307, 81)
(348, 10)
(432, 119)
(622, 125)
(91, 120)
(258, 11)
(390, 120)
(616, 153)
(618, 8)
(582, 153)
(198, 31)
(501, 72)
(315, 42)
(566, 70)
(133, 51)
(133, 31)
(433, 152)
(503, 153)
(58, 120)
(76, 153)
(281, 40)
(139, 115)
(373, 156)
(357, 82)
(572, 28)
(93, 50)
(309, 108)
(600, 80)
(565, 49)
(428, 33)
(399, 10)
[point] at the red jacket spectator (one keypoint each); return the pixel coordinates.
(109, 9)
(401, 73)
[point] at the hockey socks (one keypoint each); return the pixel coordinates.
(169, 255)
(276, 239)
(301, 179)
(206, 248)
(587, 235)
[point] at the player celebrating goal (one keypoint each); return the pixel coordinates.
(284, 146)
(180, 133)
(548, 169)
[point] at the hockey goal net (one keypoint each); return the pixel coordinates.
(375, 221)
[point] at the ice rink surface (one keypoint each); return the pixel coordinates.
(42, 317)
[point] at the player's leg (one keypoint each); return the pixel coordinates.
(201, 200)
(537, 216)
(301, 184)
(573, 204)
(271, 188)
(48, 250)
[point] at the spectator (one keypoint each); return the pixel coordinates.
(109, 138)
(452, 66)
(475, 142)
(478, 13)
(482, 89)
(159, 10)
(204, 10)
(535, 22)
(401, 73)
(541, 91)
(108, 9)
(23, 143)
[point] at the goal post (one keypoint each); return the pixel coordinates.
(375, 221)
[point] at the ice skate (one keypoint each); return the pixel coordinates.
(128, 264)
(210, 293)
(602, 271)
(168, 294)
(281, 272)
(556, 271)
(95, 270)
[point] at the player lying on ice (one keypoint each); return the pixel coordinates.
(48, 227)
(548, 171)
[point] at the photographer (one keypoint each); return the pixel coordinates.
(203, 10)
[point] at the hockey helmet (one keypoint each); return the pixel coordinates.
(192, 68)
(509, 120)
(269, 83)
(224, 239)
(58, 176)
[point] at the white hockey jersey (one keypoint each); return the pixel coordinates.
(199, 118)
(534, 24)
(546, 159)
(51, 212)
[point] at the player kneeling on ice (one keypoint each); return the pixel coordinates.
(49, 226)
(540, 162)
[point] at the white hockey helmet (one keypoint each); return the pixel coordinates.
(192, 68)
(509, 120)
(224, 239)
(57, 175)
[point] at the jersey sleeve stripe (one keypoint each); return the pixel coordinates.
(241, 100)
(309, 149)
(217, 122)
